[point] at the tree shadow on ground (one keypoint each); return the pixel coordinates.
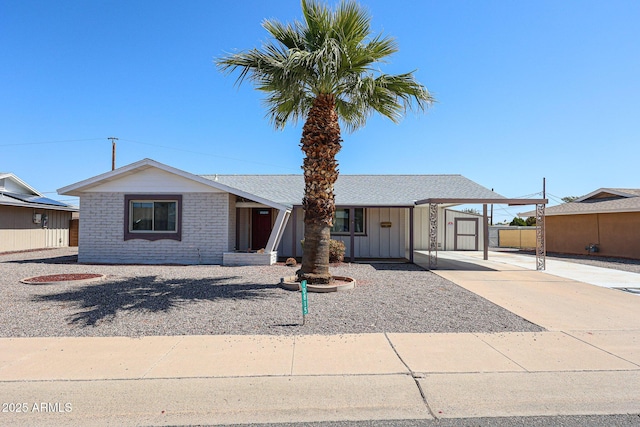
(395, 266)
(65, 259)
(103, 301)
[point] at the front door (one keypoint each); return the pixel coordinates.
(260, 227)
(466, 234)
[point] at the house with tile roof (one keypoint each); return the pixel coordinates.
(605, 222)
(149, 212)
(28, 219)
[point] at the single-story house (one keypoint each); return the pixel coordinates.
(149, 212)
(605, 222)
(28, 219)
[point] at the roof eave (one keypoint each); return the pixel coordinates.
(39, 206)
(81, 187)
(21, 182)
(603, 190)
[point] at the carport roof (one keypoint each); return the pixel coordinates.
(473, 201)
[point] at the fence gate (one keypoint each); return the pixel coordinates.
(466, 234)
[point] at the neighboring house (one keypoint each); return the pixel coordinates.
(28, 220)
(148, 212)
(605, 222)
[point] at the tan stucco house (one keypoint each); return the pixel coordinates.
(605, 222)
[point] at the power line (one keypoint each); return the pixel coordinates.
(207, 154)
(200, 153)
(50, 142)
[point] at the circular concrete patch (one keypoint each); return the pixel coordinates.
(340, 283)
(63, 278)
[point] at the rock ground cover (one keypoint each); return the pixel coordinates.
(142, 300)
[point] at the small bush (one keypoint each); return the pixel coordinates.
(336, 250)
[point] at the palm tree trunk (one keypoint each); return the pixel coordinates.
(320, 142)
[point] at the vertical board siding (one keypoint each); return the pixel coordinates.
(285, 248)
(244, 228)
(377, 242)
(57, 232)
(421, 230)
(446, 233)
(18, 232)
(231, 240)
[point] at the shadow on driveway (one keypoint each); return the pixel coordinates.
(103, 301)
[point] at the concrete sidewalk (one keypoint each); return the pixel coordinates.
(588, 362)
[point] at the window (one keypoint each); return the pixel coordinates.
(152, 217)
(341, 221)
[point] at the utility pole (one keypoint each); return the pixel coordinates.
(113, 151)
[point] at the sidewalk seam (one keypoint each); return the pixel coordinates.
(508, 358)
(293, 355)
(154, 364)
(601, 349)
(414, 377)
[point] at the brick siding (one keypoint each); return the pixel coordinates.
(206, 231)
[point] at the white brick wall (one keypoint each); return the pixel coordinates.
(242, 258)
(205, 232)
(232, 223)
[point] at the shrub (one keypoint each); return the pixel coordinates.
(518, 221)
(336, 251)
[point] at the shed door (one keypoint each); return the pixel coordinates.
(260, 227)
(466, 234)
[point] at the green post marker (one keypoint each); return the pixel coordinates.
(305, 305)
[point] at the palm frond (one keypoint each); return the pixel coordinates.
(327, 52)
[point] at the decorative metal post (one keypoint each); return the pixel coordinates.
(433, 235)
(541, 248)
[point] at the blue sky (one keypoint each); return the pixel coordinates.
(525, 89)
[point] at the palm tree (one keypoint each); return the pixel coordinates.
(322, 69)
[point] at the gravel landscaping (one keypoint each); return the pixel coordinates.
(136, 300)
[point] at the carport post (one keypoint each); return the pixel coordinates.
(485, 231)
(433, 235)
(541, 245)
(352, 233)
(411, 237)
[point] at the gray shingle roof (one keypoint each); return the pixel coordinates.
(360, 190)
(630, 202)
(619, 205)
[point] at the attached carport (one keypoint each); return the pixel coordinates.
(433, 223)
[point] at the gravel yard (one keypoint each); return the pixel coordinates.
(213, 300)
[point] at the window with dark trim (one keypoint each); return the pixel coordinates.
(342, 223)
(152, 217)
